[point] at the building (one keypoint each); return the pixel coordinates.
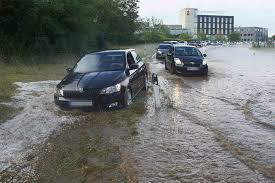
(177, 29)
(253, 34)
(191, 19)
(188, 19)
(215, 24)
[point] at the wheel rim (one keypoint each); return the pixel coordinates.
(129, 97)
(146, 83)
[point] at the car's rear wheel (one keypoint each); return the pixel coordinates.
(128, 98)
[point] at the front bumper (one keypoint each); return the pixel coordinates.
(203, 69)
(100, 102)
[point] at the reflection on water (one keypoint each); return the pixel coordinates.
(220, 129)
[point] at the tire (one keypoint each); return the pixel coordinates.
(165, 65)
(172, 69)
(145, 88)
(127, 100)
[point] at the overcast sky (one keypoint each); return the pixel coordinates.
(247, 12)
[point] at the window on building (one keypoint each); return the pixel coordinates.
(214, 19)
(244, 34)
(209, 31)
(200, 19)
(200, 25)
(218, 26)
(214, 31)
(205, 20)
(226, 20)
(226, 31)
(205, 31)
(213, 25)
(209, 25)
(222, 26)
(222, 20)
(209, 19)
(226, 26)
(218, 19)
(205, 25)
(231, 20)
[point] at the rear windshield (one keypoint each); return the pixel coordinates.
(187, 51)
(164, 47)
(100, 62)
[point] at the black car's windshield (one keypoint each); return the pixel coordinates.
(100, 62)
(187, 51)
(164, 47)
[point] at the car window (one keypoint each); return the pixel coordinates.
(130, 59)
(136, 57)
(100, 62)
(164, 47)
(187, 51)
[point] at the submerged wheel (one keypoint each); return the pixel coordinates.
(165, 65)
(172, 69)
(145, 88)
(128, 98)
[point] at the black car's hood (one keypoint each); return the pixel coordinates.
(93, 80)
(187, 59)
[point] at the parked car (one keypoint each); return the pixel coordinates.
(103, 80)
(195, 43)
(162, 50)
(186, 59)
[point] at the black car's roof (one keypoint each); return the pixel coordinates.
(112, 51)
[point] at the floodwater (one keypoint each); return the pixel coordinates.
(219, 128)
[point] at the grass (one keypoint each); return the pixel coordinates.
(90, 151)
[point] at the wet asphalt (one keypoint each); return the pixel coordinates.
(219, 128)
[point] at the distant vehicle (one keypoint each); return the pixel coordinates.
(162, 50)
(171, 42)
(195, 43)
(186, 59)
(103, 80)
(183, 43)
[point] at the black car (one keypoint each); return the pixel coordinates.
(186, 59)
(162, 50)
(103, 80)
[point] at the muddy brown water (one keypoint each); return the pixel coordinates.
(219, 128)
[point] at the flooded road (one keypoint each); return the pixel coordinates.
(219, 128)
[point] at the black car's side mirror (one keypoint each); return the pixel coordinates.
(69, 70)
(133, 66)
(204, 55)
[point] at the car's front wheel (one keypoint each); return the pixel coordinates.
(165, 65)
(172, 69)
(128, 98)
(145, 83)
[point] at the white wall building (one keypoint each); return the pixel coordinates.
(189, 19)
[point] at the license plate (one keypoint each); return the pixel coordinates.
(81, 104)
(193, 68)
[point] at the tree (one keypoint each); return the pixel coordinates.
(234, 37)
(219, 37)
(202, 36)
(185, 37)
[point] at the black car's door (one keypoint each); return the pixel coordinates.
(134, 75)
(141, 72)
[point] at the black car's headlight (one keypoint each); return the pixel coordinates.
(159, 52)
(112, 89)
(59, 92)
(178, 62)
(204, 62)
